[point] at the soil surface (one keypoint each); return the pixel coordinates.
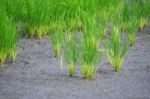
(36, 74)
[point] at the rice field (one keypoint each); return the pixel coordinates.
(74, 49)
(81, 31)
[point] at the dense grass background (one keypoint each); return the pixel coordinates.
(62, 20)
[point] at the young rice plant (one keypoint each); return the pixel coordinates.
(71, 53)
(116, 49)
(91, 53)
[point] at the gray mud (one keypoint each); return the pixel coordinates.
(36, 74)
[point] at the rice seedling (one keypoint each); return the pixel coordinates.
(128, 19)
(102, 31)
(142, 23)
(30, 29)
(122, 17)
(116, 49)
(139, 11)
(132, 31)
(57, 36)
(71, 53)
(72, 25)
(101, 25)
(8, 37)
(91, 53)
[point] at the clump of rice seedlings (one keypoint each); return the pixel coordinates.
(8, 37)
(128, 19)
(30, 29)
(122, 18)
(142, 23)
(116, 49)
(70, 48)
(34, 30)
(42, 30)
(57, 36)
(132, 31)
(132, 38)
(91, 53)
(72, 25)
(71, 53)
(144, 13)
(102, 29)
(137, 14)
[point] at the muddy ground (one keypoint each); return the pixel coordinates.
(36, 74)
